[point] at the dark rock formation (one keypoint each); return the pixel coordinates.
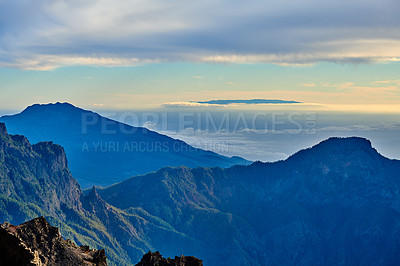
(38, 243)
(155, 258)
(3, 129)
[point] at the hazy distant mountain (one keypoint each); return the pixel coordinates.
(337, 203)
(102, 151)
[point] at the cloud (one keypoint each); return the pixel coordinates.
(187, 104)
(392, 82)
(309, 85)
(355, 128)
(44, 34)
(49, 62)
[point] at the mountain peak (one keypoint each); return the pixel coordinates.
(347, 141)
(58, 106)
(93, 194)
(337, 146)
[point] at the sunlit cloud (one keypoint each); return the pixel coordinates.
(393, 82)
(189, 104)
(309, 85)
(50, 62)
(364, 108)
(355, 128)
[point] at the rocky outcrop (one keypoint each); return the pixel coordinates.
(38, 243)
(3, 129)
(53, 154)
(155, 258)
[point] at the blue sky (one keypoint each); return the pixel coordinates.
(326, 86)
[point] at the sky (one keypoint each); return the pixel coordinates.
(144, 54)
(340, 58)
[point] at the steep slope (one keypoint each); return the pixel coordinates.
(102, 151)
(335, 203)
(36, 242)
(35, 181)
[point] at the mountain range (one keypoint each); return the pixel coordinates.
(337, 203)
(35, 181)
(102, 151)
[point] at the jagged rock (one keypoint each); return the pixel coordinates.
(36, 242)
(3, 129)
(155, 258)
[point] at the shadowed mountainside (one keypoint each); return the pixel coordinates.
(335, 203)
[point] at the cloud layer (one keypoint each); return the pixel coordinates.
(44, 34)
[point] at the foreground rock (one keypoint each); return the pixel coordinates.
(38, 243)
(155, 258)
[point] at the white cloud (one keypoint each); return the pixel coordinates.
(49, 62)
(357, 128)
(309, 85)
(189, 104)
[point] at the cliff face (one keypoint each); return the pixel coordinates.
(35, 173)
(38, 243)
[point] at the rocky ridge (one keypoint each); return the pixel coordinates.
(156, 259)
(36, 242)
